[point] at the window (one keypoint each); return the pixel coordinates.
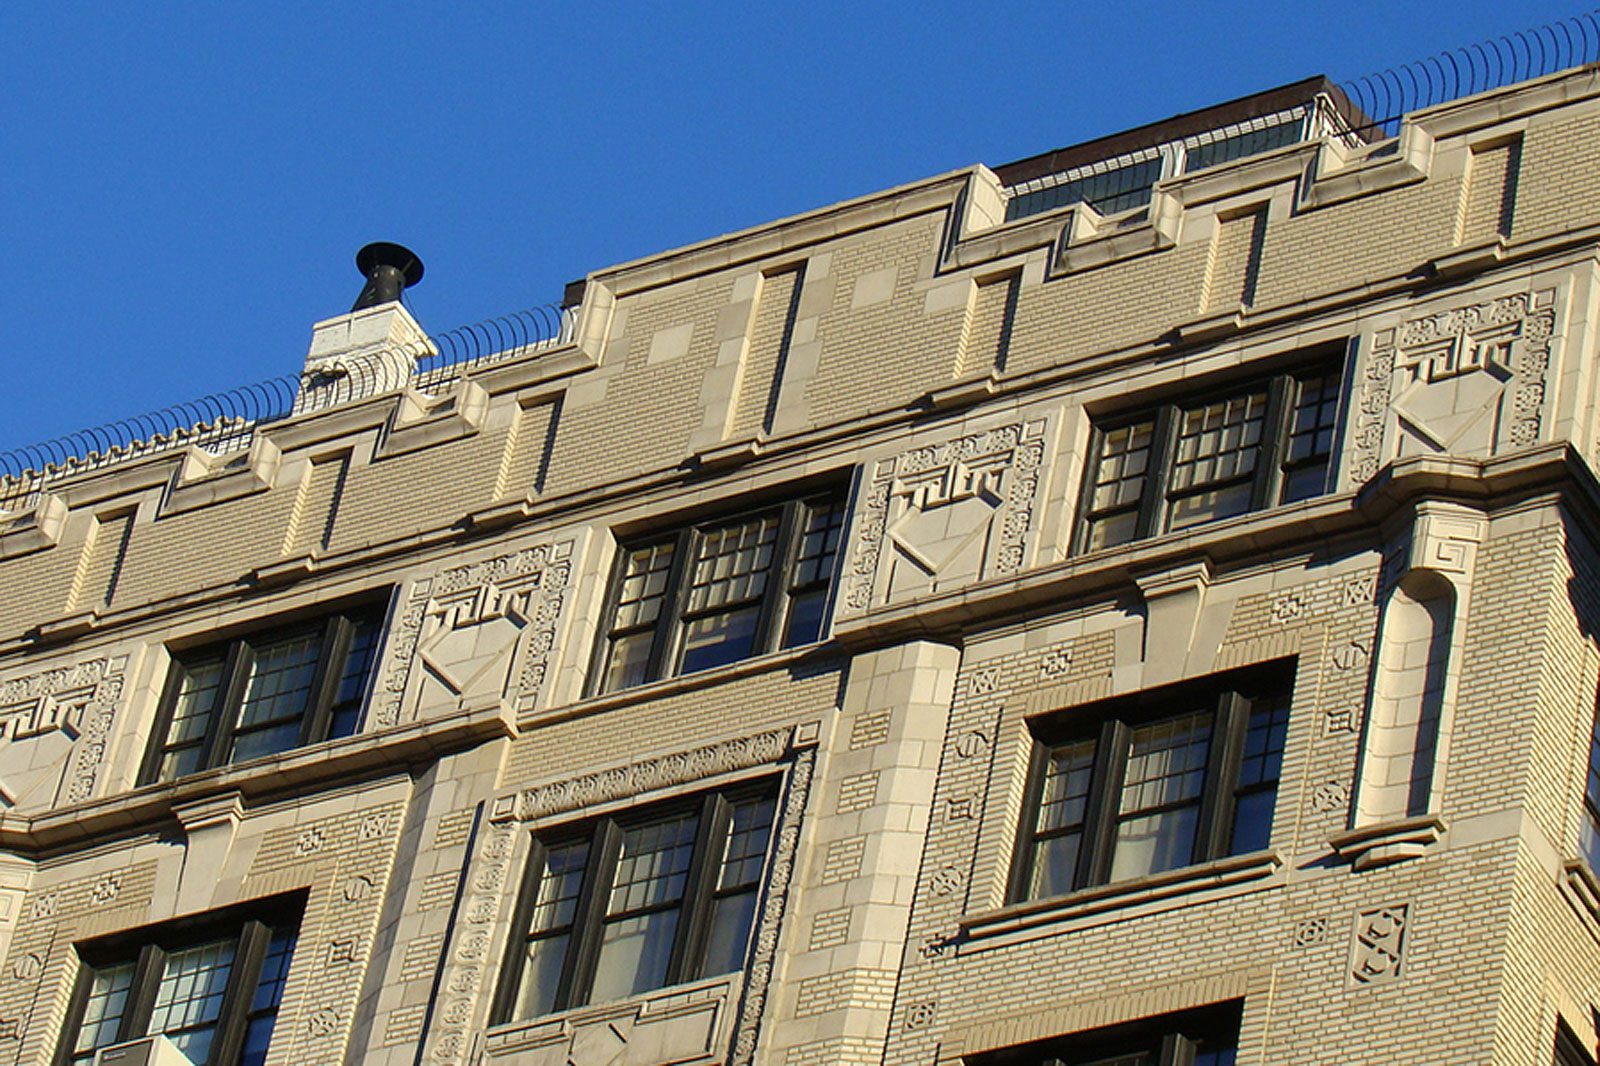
(1570, 1050)
(1591, 797)
(1149, 783)
(1205, 1037)
(1182, 465)
(213, 988)
(636, 902)
(716, 593)
(264, 693)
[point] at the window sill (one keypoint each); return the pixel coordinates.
(1391, 842)
(675, 686)
(1582, 887)
(1236, 873)
(333, 762)
(683, 1024)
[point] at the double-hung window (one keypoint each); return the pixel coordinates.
(721, 591)
(637, 901)
(1591, 797)
(264, 693)
(1208, 1036)
(1261, 444)
(212, 989)
(1152, 782)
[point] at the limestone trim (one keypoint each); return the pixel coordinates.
(323, 766)
(1174, 887)
(1380, 845)
(1001, 464)
(529, 585)
(1245, 540)
(78, 701)
(683, 1021)
(684, 767)
(1507, 337)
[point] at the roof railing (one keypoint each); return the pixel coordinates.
(226, 421)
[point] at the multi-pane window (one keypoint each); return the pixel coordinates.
(264, 693)
(719, 592)
(1184, 464)
(1208, 1036)
(1570, 1050)
(213, 990)
(1150, 783)
(638, 901)
(1591, 797)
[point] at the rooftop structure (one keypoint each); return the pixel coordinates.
(1133, 605)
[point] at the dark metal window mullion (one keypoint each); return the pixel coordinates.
(1222, 773)
(670, 620)
(1272, 449)
(775, 598)
(227, 1040)
(1176, 1050)
(704, 863)
(230, 698)
(1105, 800)
(1158, 473)
(150, 769)
(141, 1001)
(583, 954)
(504, 1004)
(335, 649)
(1028, 835)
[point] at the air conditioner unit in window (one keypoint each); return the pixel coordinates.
(145, 1051)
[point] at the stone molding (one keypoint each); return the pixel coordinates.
(648, 775)
(78, 701)
(1506, 339)
(527, 587)
(998, 466)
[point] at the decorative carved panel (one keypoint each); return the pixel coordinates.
(476, 634)
(55, 726)
(946, 515)
(1467, 381)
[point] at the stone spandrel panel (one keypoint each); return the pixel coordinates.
(947, 514)
(475, 634)
(55, 731)
(1469, 380)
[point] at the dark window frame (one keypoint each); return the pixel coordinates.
(252, 927)
(1274, 464)
(666, 651)
(1177, 1039)
(1228, 698)
(603, 834)
(336, 631)
(1589, 844)
(1569, 1049)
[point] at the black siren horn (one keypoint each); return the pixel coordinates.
(390, 269)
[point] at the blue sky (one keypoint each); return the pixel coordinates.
(183, 185)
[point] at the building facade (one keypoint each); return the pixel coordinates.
(1135, 605)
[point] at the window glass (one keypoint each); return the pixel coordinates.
(213, 991)
(264, 694)
(1186, 464)
(189, 997)
(1062, 810)
(1160, 802)
(102, 1013)
(1170, 790)
(718, 593)
(648, 898)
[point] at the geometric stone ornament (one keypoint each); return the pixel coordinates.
(1378, 944)
(774, 904)
(481, 633)
(946, 515)
(1466, 381)
(647, 775)
(69, 711)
